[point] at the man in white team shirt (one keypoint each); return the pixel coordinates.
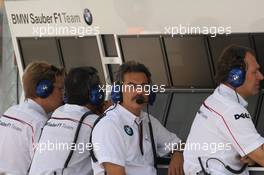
(55, 154)
(223, 133)
(20, 125)
(123, 135)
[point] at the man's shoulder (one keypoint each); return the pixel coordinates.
(73, 114)
(20, 113)
(225, 108)
(12, 110)
(109, 120)
(219, 104)
(62, 112)
(24, 116)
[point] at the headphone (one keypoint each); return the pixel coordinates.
(96, 95)
(236, 76)
(44, 88)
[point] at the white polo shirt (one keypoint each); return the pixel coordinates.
(55, 143)
(222, 129)
(20, 127)
(117, 137)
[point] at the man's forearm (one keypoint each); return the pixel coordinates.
(114, 169)
(258, 155)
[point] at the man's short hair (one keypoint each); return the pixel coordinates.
(231, 57)
(37, 71)
(132, 66)
(78, 84)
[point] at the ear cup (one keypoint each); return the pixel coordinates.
(44, 88)
(152, 97)
(65, 98)
(97, 96)
(116, 93)
(236, 77)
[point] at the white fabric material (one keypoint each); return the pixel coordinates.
(20, 128)
(60, 131)
(223, 129)
(120, 147)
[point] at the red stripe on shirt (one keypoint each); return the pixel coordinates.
(73, 120)
(25, 123)
(209, 108)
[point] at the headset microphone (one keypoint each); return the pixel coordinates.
(140, 99)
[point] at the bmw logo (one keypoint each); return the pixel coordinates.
(87, 15)
(45, 87)
(128, 130)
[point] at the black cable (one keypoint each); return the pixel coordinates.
(75, 139)
(237, 96)
(201, 164)
(115, 105)
(95, 123)
(103, 115)
(242, 169)
(152, 140)
(213, 158)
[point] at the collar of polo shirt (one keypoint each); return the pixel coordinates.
(34, 105)
(129, 116)
(230, 93)
(74, 107)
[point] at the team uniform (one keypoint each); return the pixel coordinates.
(20, 128)
(119, 143)
(222, 129)
(59, 132)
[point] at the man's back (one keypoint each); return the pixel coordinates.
(20, 127)
(57, 137)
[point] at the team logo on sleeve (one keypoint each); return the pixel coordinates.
(128, 130)
(242, 115)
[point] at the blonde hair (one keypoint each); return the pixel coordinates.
(36, 71)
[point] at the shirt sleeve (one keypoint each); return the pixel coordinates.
(109, 145)
(237, 126)
(165, 140)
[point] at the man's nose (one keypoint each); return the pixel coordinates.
(139, 92)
